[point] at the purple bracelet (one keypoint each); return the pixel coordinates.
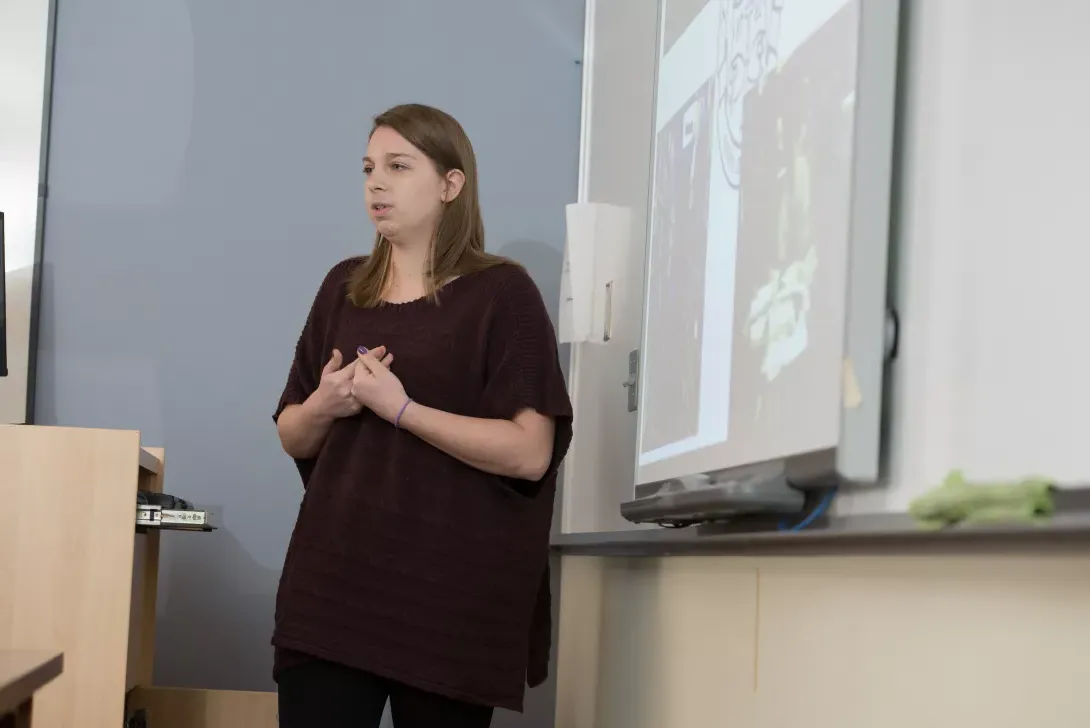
(397, 420)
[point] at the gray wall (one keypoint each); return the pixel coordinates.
(204, 174)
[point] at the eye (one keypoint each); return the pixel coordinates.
(367, 169)
(398, 166)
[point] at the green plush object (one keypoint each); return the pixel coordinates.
(958, 501)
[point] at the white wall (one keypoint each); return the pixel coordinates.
(992, 246)
(618, 97)
(992, 372)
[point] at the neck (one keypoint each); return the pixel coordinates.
(408, 266)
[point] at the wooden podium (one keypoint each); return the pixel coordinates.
(76, 578)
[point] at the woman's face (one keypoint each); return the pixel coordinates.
(404, 191)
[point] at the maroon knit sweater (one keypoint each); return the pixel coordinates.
(405, 562)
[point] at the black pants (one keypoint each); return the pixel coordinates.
(325, 695)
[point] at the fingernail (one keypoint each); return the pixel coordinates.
(361, 350)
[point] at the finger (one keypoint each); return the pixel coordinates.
(387, 360)
(334, 363)
(346, 371)
(378, 352)
(367, 364)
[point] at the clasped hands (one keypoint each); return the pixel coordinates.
(365, 382)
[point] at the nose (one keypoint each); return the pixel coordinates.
(376, 179)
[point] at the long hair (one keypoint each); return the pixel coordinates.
(458, 246)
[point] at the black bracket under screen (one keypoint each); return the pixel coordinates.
(3, 306)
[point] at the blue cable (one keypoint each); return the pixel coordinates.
(814, 514)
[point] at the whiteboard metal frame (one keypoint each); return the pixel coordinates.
(644, 307)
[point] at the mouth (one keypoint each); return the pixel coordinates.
(379, 207)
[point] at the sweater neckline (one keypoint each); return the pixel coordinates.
(447, 288)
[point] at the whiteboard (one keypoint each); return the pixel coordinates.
(763, 336)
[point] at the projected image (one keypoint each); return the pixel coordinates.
(680, 219)
(747, 36)
(794, 233)
(748, 230)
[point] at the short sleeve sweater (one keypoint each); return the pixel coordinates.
(404, 561)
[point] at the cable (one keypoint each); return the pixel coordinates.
(818, 511)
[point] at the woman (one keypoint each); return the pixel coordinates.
(427, 413)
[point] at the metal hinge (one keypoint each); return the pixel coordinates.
(632, 383)
(893, 334)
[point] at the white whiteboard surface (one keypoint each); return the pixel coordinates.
(760, 124)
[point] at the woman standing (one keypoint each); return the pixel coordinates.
(427, 413)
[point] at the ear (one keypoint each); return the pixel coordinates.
(452, 185)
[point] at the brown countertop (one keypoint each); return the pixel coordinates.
(23, 673)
